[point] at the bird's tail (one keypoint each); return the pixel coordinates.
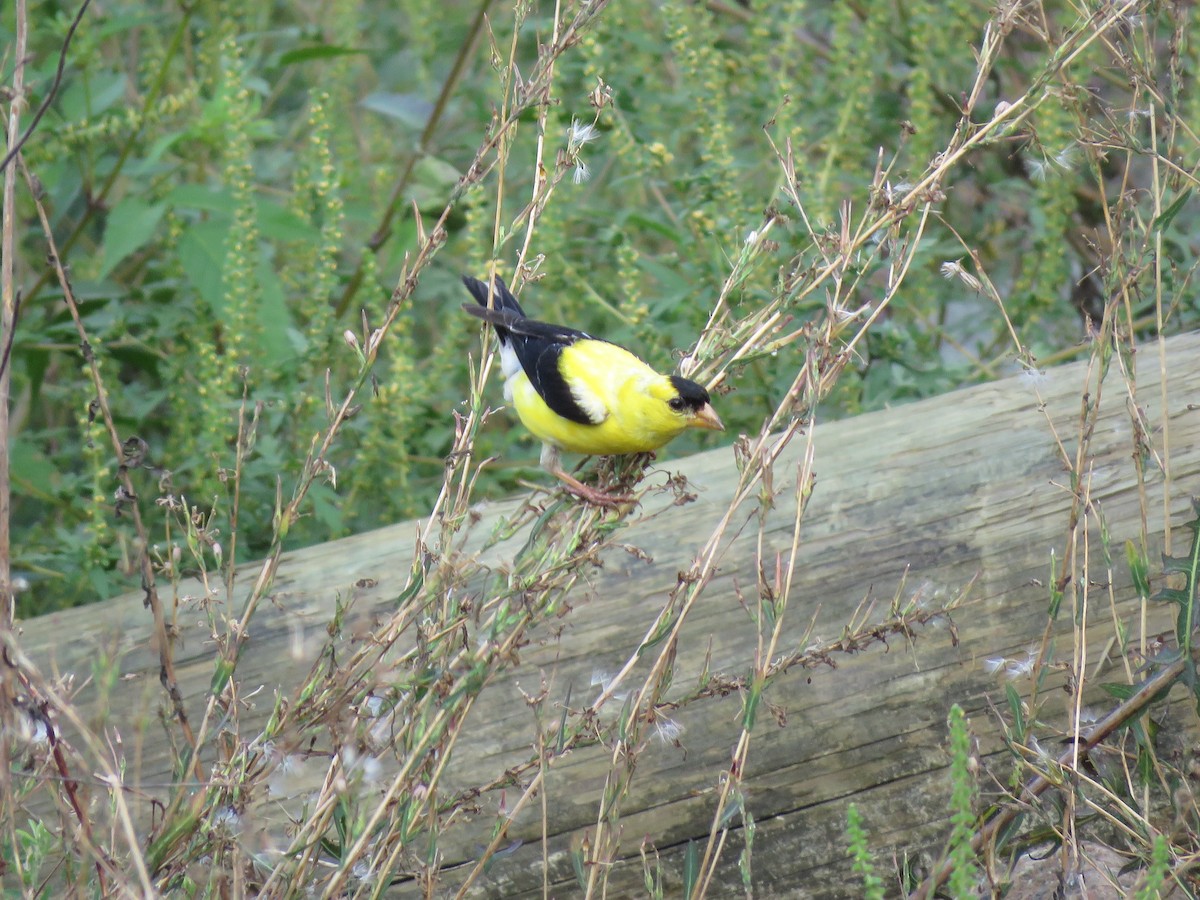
(504, 309)
(502, 298)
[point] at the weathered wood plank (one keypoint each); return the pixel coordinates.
(967, 486)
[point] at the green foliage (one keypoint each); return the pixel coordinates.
(860, 853)
(940, 73)
(232, 194)
(749, 829)
(1187, 596)
(1155, 878)
(691, 868)
(962, 808)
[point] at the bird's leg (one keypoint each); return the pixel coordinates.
(552, 464)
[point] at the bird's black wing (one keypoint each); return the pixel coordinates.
(538, 346)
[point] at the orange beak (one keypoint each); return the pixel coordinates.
(706, 417)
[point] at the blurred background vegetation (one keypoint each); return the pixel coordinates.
(231, 186)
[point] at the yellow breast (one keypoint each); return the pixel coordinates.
(607, 381)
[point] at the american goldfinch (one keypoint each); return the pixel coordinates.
(582, 394)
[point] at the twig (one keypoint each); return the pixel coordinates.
(166, 672)
(45, 698)
(8, 319)
(8, 316)
(14, 147)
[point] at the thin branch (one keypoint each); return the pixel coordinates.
(14, 147)
(162, 634)
(8, 318)
(384, 229)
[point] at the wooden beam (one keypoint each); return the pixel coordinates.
(967, 492)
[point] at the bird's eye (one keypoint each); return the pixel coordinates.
(676, 403)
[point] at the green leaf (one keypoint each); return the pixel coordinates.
(1018, 712)
(1120, 691)
(1175, 565)
(32, 471)
(1056, 594)
(317, 51)
(691, 868)
(671, 282)
(274, 221)
(151, 161)
(1170, 595)
(200, 196)
(278, 223)
(750, 710)
(433, 179)
(659, 635)
(130, 225)
(327, 508)
(1165, 217)
(730, 814)
(1145, 765)
(222, 672)
(670, 232)
(87, 98)
(1139, 569)
(410, 109)
(577, 863)
(1010, 831)
(279, 340)
(201, 253)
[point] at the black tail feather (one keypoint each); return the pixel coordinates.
(538, 346)
(504, 312)
(502, 297)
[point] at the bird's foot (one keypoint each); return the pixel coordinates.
(592, 495)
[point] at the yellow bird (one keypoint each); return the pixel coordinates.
(582, 394)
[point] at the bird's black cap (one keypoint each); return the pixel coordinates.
(693, 395)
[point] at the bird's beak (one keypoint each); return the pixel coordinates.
(706, 417)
